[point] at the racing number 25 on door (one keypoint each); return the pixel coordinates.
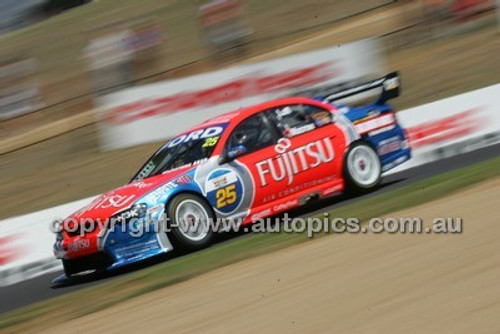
(226, 196)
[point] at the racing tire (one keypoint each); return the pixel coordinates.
(362, 169)
(190, 223)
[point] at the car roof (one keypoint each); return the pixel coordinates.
(237, 115)
(233, 118)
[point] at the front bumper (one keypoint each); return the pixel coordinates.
(111, 248)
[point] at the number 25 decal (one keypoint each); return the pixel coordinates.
(209, 142)
(226, 196)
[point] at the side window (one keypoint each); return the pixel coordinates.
(252, 134)
(296, 119)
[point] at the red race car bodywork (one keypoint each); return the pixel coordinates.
(241, 166)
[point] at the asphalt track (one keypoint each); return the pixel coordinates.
(41, 288)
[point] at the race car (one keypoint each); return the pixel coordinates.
(238, 167)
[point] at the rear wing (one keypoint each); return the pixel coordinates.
(389, 84)
(390, 89)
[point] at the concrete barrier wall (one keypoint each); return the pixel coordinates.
(146, 113)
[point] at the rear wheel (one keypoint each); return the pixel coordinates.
(362, 168)
(190, 222)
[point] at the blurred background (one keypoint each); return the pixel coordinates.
(59, 58)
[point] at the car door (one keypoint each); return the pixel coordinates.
(311, 146)
(252, 143)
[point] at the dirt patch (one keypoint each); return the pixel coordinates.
(382, 283)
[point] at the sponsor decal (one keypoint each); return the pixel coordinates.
(364, 126)
(291, 132)
(221, 181)
(75, 246)
(322, 118)
(262, 214)
(282, 145)
(283, 112)
(243, 187)
(155, 209)
(141, 184)
(390, 145)
(381, 130)
(183, 179)
(210, 142)
(236, 151)
(295, 189)
(224, 190)
(192, 164)
(107, 202)
(157, 194)
(373, 113)
(210, 134)
(285, 206)
(135, 212)
(332, 190)
(287, 164)
(137, 250)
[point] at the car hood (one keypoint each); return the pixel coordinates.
(114, 201)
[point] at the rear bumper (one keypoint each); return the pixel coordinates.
(396, 160)
(392, 147)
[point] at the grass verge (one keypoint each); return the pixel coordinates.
(93, 299)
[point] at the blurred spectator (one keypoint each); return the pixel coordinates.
(437, 16)
(146, 34)
(115, 49)
(19, 93)
(109, 58)
(146, 38)
(223, 23)
(429, 19)
(470, 9)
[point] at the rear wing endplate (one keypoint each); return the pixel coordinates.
(390, 89)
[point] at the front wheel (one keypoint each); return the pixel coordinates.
(191, 220)
(362, 168)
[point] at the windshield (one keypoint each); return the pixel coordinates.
(190, 148)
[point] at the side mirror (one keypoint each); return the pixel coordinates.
(233, 153)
